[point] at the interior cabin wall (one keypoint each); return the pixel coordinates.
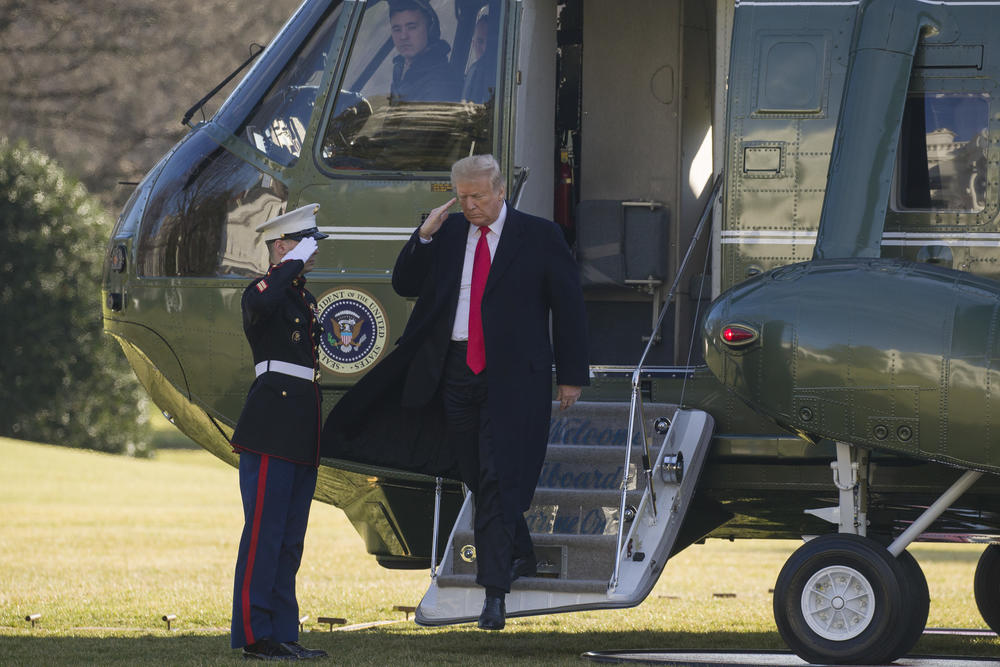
(647, 102)
(631, 105)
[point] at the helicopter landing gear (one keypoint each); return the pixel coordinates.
(987, 586)
(916, 582)
(843, 598)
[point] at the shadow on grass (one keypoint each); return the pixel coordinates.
(405, 644)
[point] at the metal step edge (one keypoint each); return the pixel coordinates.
(616, 451)
(624, 405)
(529, 584)
(557, 539)
(545, 495)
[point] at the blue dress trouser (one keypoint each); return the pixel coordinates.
(276, 499)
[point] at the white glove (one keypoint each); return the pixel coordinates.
(303, 250)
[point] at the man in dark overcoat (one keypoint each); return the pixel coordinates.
(277, 438)
(476, 355)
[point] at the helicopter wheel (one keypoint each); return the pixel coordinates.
(843, 598)
(987, 586)
(915, 584)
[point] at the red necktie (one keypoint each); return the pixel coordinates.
(475, 357)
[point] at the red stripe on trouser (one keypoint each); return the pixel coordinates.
(252, 550)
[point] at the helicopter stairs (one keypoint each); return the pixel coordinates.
(574, 519)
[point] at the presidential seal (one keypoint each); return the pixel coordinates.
(354, 330)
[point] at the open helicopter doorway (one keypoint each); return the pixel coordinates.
(628, 87)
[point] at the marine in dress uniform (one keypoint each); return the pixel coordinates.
(498, 302)
(277, 438)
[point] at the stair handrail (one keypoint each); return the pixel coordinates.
(437, 527)
(635, 407)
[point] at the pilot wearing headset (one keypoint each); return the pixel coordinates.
(421, 71)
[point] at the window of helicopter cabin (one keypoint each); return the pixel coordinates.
(283, 87)
(419, 90)
(942, 153)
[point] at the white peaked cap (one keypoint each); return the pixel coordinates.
(299, 223)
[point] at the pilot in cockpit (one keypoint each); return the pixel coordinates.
(421, 72)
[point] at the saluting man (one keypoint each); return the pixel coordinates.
(277, 438)
(467, 393)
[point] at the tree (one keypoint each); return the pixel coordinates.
(64, 381)
(101, 86)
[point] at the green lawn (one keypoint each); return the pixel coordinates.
(103, 546)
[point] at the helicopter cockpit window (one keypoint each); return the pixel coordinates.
(419, 89)
(942, 153)
(277, 125)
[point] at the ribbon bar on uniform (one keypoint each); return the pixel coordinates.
(285, 368)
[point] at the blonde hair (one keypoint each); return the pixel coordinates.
(477, 166)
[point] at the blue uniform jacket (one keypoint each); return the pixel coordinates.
(281, 416)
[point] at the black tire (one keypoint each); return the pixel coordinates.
(919, 604)
(867, 583)
(987, 586)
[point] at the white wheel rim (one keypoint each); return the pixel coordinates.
(838, 603)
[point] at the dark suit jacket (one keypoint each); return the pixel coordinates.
(282, 413)
(533, 276)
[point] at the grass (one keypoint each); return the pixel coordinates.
(104, 546)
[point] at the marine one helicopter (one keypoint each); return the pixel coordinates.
(787, 220)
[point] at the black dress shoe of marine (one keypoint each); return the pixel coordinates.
(525, 566)
(265, 649)
(494, 614)
(304, 653)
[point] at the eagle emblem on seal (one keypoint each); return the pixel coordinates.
(349, 330)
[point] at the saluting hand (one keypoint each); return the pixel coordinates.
(434, 220)
(303, 250)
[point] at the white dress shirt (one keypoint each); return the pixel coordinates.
(461, 329)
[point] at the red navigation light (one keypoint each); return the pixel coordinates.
(738, 335)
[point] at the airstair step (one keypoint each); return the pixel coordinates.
(596, 453)
(464, 536)
(577, 512)
(530, 584)
(589, 469)
(574, 522)
(602, 424)
(563, 557)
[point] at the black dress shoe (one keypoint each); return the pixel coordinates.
(525, 566)
(494, 614)
(304, 653)
(265, 649)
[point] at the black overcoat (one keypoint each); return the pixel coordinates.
(394, 416)
(281, 416)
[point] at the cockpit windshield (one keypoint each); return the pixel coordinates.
(420, 87)
(271, 108)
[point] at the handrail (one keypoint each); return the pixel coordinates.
(636, 403)
(437, 527)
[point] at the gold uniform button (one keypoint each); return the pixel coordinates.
(296, 320)
(284, 393)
